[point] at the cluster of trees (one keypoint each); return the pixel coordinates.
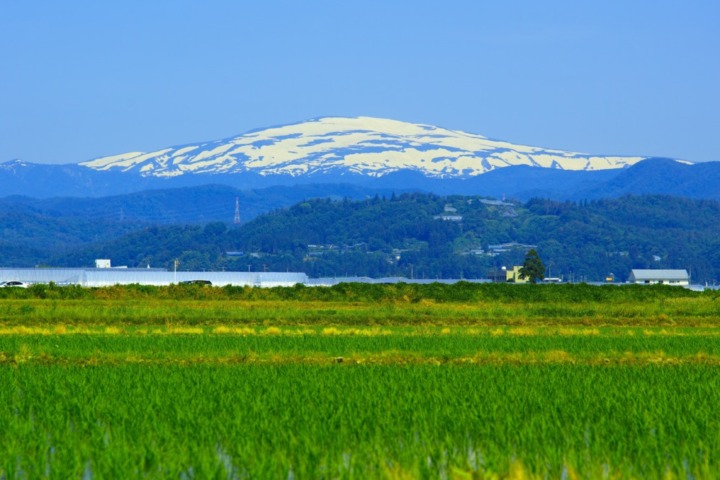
(403, 236)
(30, 238)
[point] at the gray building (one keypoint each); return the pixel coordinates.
(653, 276)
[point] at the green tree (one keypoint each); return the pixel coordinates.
(533, 268)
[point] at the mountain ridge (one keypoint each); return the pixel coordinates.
(654, 176)
(183, 205)
(395, 156)
(352, 145)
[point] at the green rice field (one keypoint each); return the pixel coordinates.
(387, 382)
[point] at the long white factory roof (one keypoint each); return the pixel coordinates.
(100, 277)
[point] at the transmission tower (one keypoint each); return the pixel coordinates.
(237, 211)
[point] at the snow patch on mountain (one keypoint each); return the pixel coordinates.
(362, 145)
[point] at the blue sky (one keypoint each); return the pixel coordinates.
(83, 79)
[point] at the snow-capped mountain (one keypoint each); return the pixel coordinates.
(363, 146)
(366, 153)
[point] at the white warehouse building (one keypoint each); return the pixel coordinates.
(667, 277)
(103, 277)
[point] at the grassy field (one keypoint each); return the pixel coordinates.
(362, 305)
(380, 382)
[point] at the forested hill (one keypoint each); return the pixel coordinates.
(428, 236)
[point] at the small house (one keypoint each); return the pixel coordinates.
(514, 275)
(653, 276)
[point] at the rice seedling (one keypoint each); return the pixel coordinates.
(359, 382)
(267, 421)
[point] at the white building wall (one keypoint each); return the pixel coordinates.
(106, 277)
(665, 277)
